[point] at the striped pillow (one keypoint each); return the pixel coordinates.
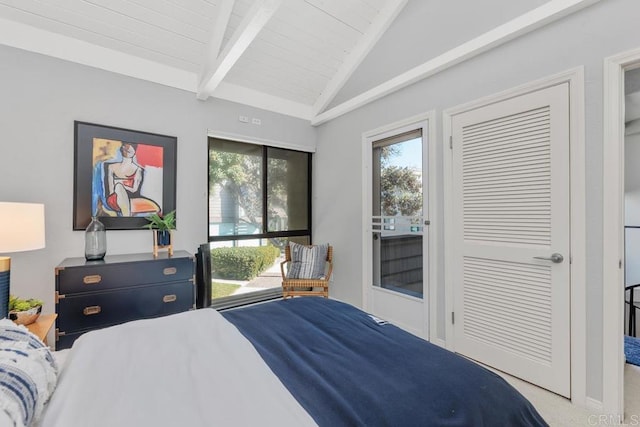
(28, 373)
(307, 262)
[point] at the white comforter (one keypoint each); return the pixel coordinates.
(190, 369)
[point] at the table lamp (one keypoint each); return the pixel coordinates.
(21, 229)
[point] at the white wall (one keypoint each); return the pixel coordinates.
(582, 39)
(40, 97)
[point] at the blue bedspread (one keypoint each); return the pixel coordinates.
(346, 369)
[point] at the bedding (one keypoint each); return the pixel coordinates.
(60, 358)
(28, 375)
(189, 369)
(304, 361)
(346, 367)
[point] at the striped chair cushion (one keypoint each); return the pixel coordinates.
(307, 262)
(28, 373)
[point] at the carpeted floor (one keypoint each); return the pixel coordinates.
(632, 350)
(560, 412)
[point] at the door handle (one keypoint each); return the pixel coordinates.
(555, 258)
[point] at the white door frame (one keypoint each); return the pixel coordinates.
(423, 120)
(612, 233)
(575, 78)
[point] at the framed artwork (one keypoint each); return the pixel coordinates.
(121, 176)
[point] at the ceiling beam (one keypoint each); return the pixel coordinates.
(212, 49)
(254, 98)
(523, 24)
(27, 37)
(378, 26)
(251, 25)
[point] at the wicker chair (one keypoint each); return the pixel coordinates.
(303, 287)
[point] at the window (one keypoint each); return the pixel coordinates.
(259, 200)
(397, 195)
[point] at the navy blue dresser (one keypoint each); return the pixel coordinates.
(94, 294)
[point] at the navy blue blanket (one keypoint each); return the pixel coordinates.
(345, 369)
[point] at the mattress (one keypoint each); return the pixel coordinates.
(189, 369)
(299, 362)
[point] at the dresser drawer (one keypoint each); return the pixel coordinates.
(66, 340)
(101, 277)
(100, 309)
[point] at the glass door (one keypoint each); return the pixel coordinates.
(259, 201)
(397, 221)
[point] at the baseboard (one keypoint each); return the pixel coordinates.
(594, 404)
(599, 418)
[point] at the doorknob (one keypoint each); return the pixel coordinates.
(555, 257)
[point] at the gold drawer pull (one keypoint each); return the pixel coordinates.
(169, 271)
(94, 309)
(169, 298)
(92, 280)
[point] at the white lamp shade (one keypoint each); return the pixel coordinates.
(21, 227)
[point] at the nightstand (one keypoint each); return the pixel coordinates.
(42, 326)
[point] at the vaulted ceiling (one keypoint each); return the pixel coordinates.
(292, 55)
(287, 56)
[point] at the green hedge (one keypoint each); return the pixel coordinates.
(242, 263)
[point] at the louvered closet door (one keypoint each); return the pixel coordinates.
(511, 214)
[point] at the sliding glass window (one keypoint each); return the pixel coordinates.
(259, 199)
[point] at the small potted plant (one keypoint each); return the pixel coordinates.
(24, 311)
(161, 226)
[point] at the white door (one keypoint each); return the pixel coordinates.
(398, 235)
(510, 165)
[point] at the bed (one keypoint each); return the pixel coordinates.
(304, 361)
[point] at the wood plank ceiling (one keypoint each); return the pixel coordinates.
(291, 56)
(287, 56)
